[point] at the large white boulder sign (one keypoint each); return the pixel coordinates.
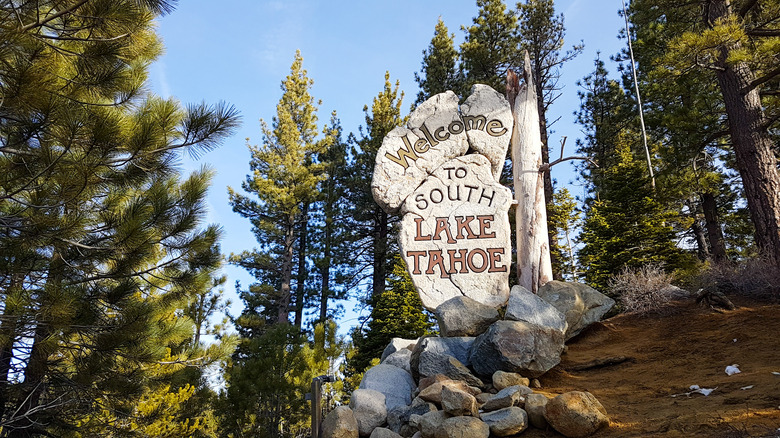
(441, 172)
(455, 235)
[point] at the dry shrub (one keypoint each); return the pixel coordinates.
(643, 290)
(758, 277)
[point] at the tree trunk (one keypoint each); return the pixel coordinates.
(300, 290)
(701, 242)
(325, 268)
(755, 158)
(283, 310)
(380, 254)
(712, 224)
(552, 233)
(533, 251)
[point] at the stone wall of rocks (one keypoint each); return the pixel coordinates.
(478, 378)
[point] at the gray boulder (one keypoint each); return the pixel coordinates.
(463, 427)
(434, 364)
(400, 359)
(397, 344)
(576, 414)
(395, 383)
(526, 306)
(430, 423)
(535, 406)
(340, 423)
(400, 415)
(511, 396)
(580, 304)
(381, 432)
(507, 421)
(462, 316)
(457, 347)
(369, 409)
(446, 356)
(458, 403)
(518, 347)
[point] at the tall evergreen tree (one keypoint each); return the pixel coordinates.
(734, 44)
(373, 227)
(684, 116)
(100, 239)
(284, 180)
(624, 225)
(439, 72)
(333, 235)
(395, 310)
(491, 46)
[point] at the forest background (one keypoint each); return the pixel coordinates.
(213, 51)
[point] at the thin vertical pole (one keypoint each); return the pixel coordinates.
(316, 410)
(638, 98)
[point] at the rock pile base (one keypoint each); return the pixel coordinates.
(464, 386)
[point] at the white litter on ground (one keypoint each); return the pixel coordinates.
(776, 373)
(745, 388)
(732, 369)
(735, 339)
(696, 389)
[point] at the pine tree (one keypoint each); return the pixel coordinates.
(624, 224)
(101, 241)
(625, 227)
(333, 238)
(284, 181)
(686, 112)
(439, 73)
(734, 46)
(565, 217)
(373, 227)
(491, 46)
(265, 391)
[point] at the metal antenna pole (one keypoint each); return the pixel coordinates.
(638, 98)
(315, 396)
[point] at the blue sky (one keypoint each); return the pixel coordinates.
(239, 51)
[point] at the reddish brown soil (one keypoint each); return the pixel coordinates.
(684, 345)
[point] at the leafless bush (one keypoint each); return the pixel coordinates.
(757, 277)
(642, 290)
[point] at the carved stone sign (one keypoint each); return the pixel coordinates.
(455, 235)
(437, 132)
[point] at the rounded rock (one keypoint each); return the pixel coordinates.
(463, 427)
(340, 423)
(507, 421)
(576, 414)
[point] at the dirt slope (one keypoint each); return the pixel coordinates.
(685, 345)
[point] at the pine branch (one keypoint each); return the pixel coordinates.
(65, 11)
(764, 32)
(760, 81)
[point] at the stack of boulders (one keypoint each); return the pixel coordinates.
(476, 379)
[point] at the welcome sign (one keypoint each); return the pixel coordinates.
(441, 172)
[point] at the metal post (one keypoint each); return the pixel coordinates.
(315, 396)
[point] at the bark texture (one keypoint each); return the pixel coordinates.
(533, 248)
(755, 159)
